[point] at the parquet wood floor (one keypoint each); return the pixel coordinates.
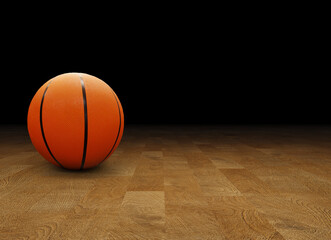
(174, 182)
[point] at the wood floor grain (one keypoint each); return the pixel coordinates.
(174, 182)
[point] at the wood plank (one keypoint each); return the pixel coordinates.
(143, 213)
(191, 222)
(246, 182)
(213, 183)
(224, 163)
(148, 175)
(296, 215)
(146, 183)
(240, 220)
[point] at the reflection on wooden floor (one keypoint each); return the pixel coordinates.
(174, 182)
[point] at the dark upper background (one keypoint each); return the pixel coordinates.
(176, 68)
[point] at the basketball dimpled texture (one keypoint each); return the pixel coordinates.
(75, 121)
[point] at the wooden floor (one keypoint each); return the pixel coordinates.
(174, 182)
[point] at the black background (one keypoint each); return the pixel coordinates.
(177, 68)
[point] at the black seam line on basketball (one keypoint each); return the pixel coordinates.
(41, 125)
(85, 121)
(119, 129)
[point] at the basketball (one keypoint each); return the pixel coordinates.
(75, 121)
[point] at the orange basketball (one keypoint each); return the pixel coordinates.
(75, 121)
